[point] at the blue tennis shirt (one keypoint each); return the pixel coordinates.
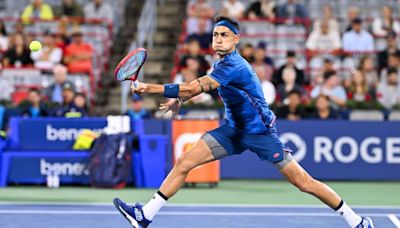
(240, 90)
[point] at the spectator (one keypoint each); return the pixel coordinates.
(62, 37)
(289, 84)
(3, 37)
(292, 10)
(78, 55)
(37, 10)
(385, 24)
(69, 9)
(393, 61)
(262, 64)
(194, 52)
(54, 91)
(247, 52)
(290, 63)
(261, 9)
(78, 108)
(18, 54)
(35, 107)
(388, 92)
(203, 36)
(391, 48)
(332, 89)
(233, 8)
(323, 41)
(293, 110)
(352, 13)
(136, 110)
(368, 69)
(328, 65)
(98, 10)
(267, 87)
(358, 40)
(50, 55)
(323, 111)
(327, 15)
(198, 10)
(358, 88)
(68, 95)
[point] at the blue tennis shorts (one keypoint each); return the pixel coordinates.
(226, 141)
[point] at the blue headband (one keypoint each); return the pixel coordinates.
(228, 25)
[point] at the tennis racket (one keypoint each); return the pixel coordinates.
(129, 67)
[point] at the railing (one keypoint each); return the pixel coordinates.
(147, 25)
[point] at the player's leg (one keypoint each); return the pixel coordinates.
(140, 216)
(296, 175)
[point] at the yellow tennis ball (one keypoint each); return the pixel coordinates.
(35, 45)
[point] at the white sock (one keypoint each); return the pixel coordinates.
(154, 205)
(348, 214)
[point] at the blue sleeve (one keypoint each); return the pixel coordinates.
(224, 73)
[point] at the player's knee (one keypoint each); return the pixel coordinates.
(306, 184)
(183, 165)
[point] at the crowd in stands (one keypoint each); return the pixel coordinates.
(341, 64)
(65, 53)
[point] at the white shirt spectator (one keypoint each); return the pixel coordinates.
(104, 11)
(388, 95)
(269, 91)
(3, 43)
(235, 9)
(323, 42)
(54, 57)
(378, 27)
(358, 42)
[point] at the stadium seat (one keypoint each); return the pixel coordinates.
(394, 116)
(369, 115)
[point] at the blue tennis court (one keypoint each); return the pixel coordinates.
(59, 215)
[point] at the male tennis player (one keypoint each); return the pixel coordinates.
(250, 124)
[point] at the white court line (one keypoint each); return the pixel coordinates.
(195, 205)
(394, 220)
(86, 212)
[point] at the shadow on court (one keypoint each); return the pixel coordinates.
(193, 216)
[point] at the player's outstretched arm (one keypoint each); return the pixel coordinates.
(184, 91)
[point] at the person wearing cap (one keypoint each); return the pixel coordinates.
(357, 40)
(68, 94)
(250, 125)
(78, 55)
(49, 55)
(136, 110)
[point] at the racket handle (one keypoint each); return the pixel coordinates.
(135, 84)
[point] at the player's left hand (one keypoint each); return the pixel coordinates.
(171, 105)
(138, 87)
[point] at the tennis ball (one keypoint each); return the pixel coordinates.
(35, 45)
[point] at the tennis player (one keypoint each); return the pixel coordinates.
(250, 124)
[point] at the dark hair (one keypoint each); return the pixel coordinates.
(329, 74)
(3, 30)
(295, 92)
(35, 90)
(230, 20)
(392, 70)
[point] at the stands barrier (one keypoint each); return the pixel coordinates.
(336, 150)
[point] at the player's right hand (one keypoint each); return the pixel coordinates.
(138, 87)
(171, 105)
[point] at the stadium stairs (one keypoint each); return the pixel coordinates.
(109, 97)
(160, 58)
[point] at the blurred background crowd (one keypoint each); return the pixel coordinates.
(315, 59)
